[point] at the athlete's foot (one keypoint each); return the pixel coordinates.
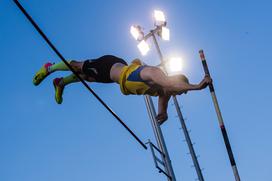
(58, 89)
(160, 122)
(41, 74)
(161, 118)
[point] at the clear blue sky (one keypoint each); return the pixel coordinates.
(80, 140)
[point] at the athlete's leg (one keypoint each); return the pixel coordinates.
(48, 68)
(60, 83)
(61, 66)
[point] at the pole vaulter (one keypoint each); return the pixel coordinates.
(74, 72)
(220, 118)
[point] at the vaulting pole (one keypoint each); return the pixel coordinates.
(220, 119)
(74, 72)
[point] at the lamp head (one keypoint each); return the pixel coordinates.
(164, 33)
(143, 47)
(159, 18)
(136, 32)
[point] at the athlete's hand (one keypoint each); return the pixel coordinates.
(162, 117)
(205, 82)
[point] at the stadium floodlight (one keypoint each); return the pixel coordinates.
(174, 66)
(143, 47)
(136, 32)
(159, 18)
(165, 33)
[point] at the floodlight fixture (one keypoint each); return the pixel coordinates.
(174, 66)
(159, 18)
(143, 47)
(136, 32)
(165, 33)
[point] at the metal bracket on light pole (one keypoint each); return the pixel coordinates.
(152, 32)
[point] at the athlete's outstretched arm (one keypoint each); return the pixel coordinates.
(171, 83)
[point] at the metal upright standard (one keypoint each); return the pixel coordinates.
(182, 121)
(189, 142)
(81, 80)
(220, 119)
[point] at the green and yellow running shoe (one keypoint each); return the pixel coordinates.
(58, 90)
(41, 74)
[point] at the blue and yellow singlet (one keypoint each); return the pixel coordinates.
(131, 82)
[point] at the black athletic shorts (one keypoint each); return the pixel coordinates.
(100, 68)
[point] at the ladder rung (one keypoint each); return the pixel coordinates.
(160, 161)
(162, 171)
